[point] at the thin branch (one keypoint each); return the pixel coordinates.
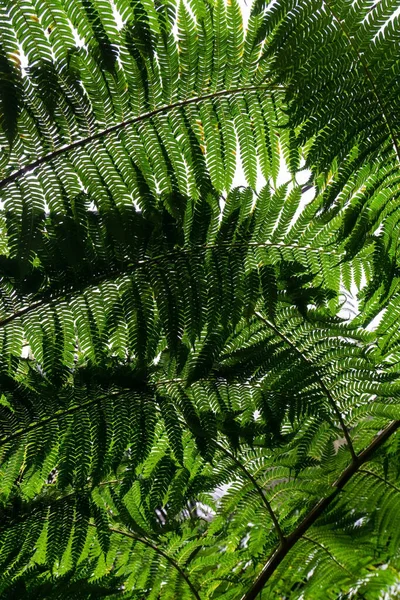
(281, 552)
(324, 388)
(364, 64)
(148, 115)
(327, 551)
(73, 409)
(27, 309)
(169, 558)
(259, 490)
(385, 481)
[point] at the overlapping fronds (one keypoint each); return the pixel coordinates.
(187, 410)
(333, 58)
(338, 62)
(117, 89)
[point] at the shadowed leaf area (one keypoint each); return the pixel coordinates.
(199, 300)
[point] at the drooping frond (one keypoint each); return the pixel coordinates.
(187, 410)
(169, 103)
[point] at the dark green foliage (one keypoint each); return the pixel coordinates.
(187, 407)
(10, 96)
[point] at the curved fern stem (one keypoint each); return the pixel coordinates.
(328, 552)
(159, 551)
(331, 556)
(281, 552)
(324, 388)
(95, 281)
(385, 481)
(259, 490)
(123, 124)
(254, 482)
(56, 415)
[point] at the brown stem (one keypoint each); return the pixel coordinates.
(281, 552)
(148, 115)
(42, 422)
(169, 558)
(324, 388)
(23, 311)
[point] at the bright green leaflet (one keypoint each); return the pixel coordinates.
(186, 409)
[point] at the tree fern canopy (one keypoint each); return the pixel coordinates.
(188, 408)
